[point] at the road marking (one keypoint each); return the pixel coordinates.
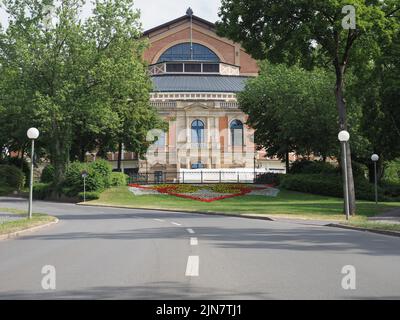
(190, 230)
(194, 242)
(159, 220)
(192, 267)
(176, 223)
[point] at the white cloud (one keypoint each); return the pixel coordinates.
(156, 12)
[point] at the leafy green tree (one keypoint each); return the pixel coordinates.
(290, 108)
(310, 32)
(84, 83)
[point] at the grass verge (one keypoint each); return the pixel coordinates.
(287, 204)
(22, 224)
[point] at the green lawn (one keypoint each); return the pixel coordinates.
(14, 226)
(286, 204)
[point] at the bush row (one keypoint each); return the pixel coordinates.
(329, 185)
(12, 177)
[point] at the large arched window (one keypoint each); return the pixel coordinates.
(182, 52)
(160, 140)
(197, 131)
(236, 133)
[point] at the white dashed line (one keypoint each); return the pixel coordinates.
(176, 223)
(192, 267)
(159, 220)
(190, 230)
(194, 241)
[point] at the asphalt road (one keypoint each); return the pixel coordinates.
(107, 253)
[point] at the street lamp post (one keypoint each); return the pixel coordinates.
(344, 137)
(375, 159)
(84, 176)
(32, 134)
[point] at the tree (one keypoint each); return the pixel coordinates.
(84, 82)
(381, 104)
(309, 32)
(290, 109)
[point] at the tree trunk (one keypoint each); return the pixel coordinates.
(60, 161)
(341, 105)
(119, 156)
(287, 162)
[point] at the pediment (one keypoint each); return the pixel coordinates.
(197, 107)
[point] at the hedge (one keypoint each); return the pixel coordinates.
(11, 176)
(41, 191)
(269, 178)
(89, 195)
(312, 167)
(328, 185)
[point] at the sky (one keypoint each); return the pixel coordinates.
(156, 12)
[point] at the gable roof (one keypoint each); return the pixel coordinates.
(180, 19)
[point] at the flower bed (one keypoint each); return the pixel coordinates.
(204, 193)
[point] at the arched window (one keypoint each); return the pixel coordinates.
(197, 131)
(182, 52)
(160, 140)
(236, 133)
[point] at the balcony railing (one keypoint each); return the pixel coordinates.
(163, 104)
(229, 105)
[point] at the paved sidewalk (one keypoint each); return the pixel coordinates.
(391, 216)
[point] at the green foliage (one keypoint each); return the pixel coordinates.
(93, 195)
(104, 169)
(41, 191)
(329, 185)
(119, 179)
(99, 177)
(83, 82)
(47, 174)
(12, 177)
(359, 170)
(312, 167)
(5, 190)
(291, 110)
(392, 172)
(19, 163)
(269, 178)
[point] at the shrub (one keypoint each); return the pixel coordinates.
(269, 178)
(89, 195)
(47, 174)
(312, 167)
(12, 177)
(328, 185)
(99, 177)
(41, 190)
(74, 182)
(390, 189)
(119, 179)
(392, 172)
(20, 164)
(104, 169)
(313, 183)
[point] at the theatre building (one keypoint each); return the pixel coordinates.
(196, 76)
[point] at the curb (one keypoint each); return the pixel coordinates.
(210, 213)
(387, 233)
(22, 232)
